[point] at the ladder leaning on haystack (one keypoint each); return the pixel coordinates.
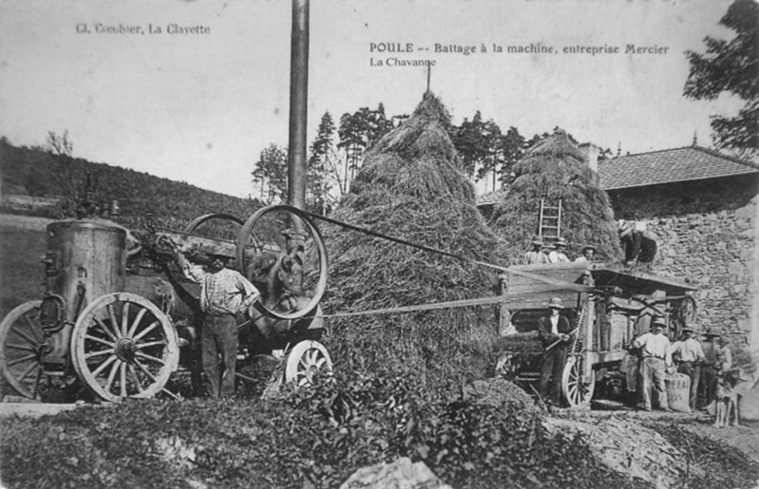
(549, 223)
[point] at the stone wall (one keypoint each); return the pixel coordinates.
(708, 236)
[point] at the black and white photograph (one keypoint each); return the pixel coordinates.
(379, 244)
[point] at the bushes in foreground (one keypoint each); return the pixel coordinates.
(310, 438)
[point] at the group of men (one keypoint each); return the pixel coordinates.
(703, 363)
(542, 252)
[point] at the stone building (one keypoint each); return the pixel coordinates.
(702, 206)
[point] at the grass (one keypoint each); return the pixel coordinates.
(21, 272)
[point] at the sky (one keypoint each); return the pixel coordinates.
(200, 106)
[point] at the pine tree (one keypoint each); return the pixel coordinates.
(322, 149)
(731, 67)
(270, 173)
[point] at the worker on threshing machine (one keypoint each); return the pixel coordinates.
(224, 294)
(588, 255)
(536, 255)
(554, 332)
(559, 255)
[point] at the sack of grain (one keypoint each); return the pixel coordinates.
(678, 392)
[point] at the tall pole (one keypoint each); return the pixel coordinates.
(296, 187)
(296, 161)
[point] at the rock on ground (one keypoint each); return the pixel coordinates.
(401, 474)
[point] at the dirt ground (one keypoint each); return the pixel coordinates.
(628, 442)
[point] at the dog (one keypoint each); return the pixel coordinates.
(727, 399)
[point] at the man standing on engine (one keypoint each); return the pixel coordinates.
(224, 293)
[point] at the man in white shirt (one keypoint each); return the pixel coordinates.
(657, 357)
(224, 293)
(558, 255)
(689, 357)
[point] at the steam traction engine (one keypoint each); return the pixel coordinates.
(117, 316)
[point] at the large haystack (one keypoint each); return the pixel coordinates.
(411, 187)
(556, 169)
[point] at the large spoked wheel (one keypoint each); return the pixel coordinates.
(21, 343)
(124, 346)
(304, 361)
(269, 226)
(577, 388)
(196, 223)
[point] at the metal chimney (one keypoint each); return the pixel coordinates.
(296, 187)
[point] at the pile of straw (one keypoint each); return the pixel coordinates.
(556, 169)
(411, 187)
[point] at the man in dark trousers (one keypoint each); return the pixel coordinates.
(224, 293)
(554, 331)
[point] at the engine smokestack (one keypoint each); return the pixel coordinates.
(296, 187)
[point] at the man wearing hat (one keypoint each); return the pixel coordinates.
(553, 331)
(689, 356)
(708, 384)
(655, 349)
(588, 255)
(558, 255)
(536, 255)
(224, 293)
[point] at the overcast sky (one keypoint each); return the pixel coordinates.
(199, 107)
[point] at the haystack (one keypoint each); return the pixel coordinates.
(556, 169)
(411, 187)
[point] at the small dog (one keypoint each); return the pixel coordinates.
(727, 399)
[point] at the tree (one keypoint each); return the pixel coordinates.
(484, 149)
(357, 133)
(322, 149)
(470, 142)
(270, 173)
(731, 67)
(512, 149)
(59, 145)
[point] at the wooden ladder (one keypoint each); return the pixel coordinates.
(549, 225)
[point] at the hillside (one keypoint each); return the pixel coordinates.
(36, 173)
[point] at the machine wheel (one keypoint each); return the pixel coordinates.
(21, 342)
(577, 390)
(198, 221)
(268, 227)
(124, 346)
(304, 360)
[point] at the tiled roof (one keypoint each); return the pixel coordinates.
(669, 166)
(656, 167)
